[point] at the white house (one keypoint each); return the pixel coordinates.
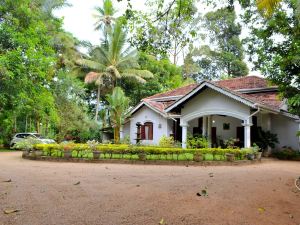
(233, 108)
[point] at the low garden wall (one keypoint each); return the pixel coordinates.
(139, 154)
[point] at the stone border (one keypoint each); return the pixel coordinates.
(146, 162)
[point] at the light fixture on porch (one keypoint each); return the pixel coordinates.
(213, 121)
(159, 125)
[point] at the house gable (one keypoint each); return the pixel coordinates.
(212, 102)
(210, 85)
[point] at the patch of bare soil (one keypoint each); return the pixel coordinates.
(35, 193)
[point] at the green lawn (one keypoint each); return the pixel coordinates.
(7, 150)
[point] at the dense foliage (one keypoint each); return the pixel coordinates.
(35, 60)
(275, 45)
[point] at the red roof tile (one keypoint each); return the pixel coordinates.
(269, 99)
(175, 92)
(247, 82)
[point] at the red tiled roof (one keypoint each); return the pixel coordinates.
(176, 92)
(247, 82)
(269, 99)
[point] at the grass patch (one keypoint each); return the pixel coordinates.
(7, 150)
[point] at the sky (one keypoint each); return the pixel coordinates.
(79, 19)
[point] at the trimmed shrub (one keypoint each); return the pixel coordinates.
(165, 141)
(121, 151)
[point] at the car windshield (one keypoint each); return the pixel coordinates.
(39, 136)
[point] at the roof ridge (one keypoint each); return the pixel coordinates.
(241, 77)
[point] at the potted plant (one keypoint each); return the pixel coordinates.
(198, 157)
(67, 151)
(38, 152)
(229, 157)
(93, 146)
(250, 156)
(257, 151)
(142, 156)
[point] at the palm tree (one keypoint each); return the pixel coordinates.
(113, 60)
(118, 105)
(105, 17)
(267, 7)
(97, 78)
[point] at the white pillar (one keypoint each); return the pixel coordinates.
(204, 126)
(121, 133)
(184, 134)
(209, 130)
(247, 133)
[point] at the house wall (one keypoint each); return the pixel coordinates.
(217, 121)
(161, 126)
(286, 130)
(126, 129)
(212, 102)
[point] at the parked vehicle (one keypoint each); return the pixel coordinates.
(21, 136)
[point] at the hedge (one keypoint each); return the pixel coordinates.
(131, 151)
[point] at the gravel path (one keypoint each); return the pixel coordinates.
(113, 194)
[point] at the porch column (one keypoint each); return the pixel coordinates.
(204, 126)
(247, 133)
(184, 134)
(121, 133)
(209, 130)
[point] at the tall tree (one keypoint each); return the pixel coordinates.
(27, 62)
(167, 29)
(115, 60)
(167, 76)
(105, 17)
(275, 47)
(34, 50)
(225, 54)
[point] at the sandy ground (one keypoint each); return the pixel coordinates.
(113, 194)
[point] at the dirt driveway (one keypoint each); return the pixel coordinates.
(112, 194)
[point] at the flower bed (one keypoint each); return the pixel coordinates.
(132, 152)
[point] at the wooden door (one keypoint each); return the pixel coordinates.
(240, 135)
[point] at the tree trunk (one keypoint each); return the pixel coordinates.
(15, 124)
(97, 104)
(117, 134)
(26, 123)
(37, 125)
(30, 125)
(46, 128)
(175, 53)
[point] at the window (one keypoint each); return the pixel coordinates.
(147, 131)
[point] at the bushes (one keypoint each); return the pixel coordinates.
(287, 154)
(121, 151)
(197, 142)
(165, 141)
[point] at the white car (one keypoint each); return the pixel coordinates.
(21, 136)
